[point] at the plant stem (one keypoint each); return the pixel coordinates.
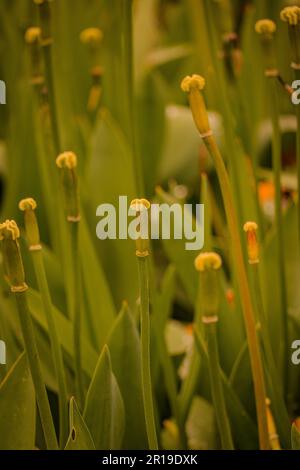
(145, 344)
(277, 168)
(36, 371)
(217, 388)
(249, 318)
(276, 395)
(55, 346)
(76, 317)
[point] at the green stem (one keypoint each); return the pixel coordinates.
(217, 388)
(36, 371)
(76, 315)
(249, 318)
(277, 398)
(277, 168)
(145, 344)
(40, 273)
(171, 387)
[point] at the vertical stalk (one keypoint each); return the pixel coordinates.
(255, 357)
(277, 168)
(217, 387)
(77, 312)
(208, 264)
(297, 77)
(145, 343)
(41, 277)
(36, 371)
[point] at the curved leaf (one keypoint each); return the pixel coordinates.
(104, 408)
(79, 437)
(17, 408)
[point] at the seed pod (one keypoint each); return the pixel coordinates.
(67, 163)
(9, 234)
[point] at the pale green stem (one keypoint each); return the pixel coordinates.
(41, 277)
(217, 387)
(36, 371)
(249, 318)
(76, 312)
(145, 343)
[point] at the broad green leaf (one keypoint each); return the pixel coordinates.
(65, 333)
(244, 430)
(79, 437)
(104, 408)
(295, 438)
(101, 306)
(110, 173)
(201, 425)
(17, 408)
(124, 346)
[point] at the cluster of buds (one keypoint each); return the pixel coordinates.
(13, 264)
(67, 163)
(208, 265)
(291, 16)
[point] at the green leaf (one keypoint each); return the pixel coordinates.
(201, 426)
(295, 438)
(17, 408)
(124, 346)
(104, 408)
(79, 437)
(99, 299)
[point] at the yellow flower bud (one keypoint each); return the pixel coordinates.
(252, 243)
(291, 15)
(265, 26)
(91, 36)
(67, 160)
(13, 265)
(206, 261)
(208, 264)
(67, 163)
(33, 35)
(193, 86)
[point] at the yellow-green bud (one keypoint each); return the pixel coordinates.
(208, 265)
(28, 206)
(252, 243)
(67, 163)
(91, 36)
(13, 264)
(142, 244)
(193, 86)
(266, 29)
